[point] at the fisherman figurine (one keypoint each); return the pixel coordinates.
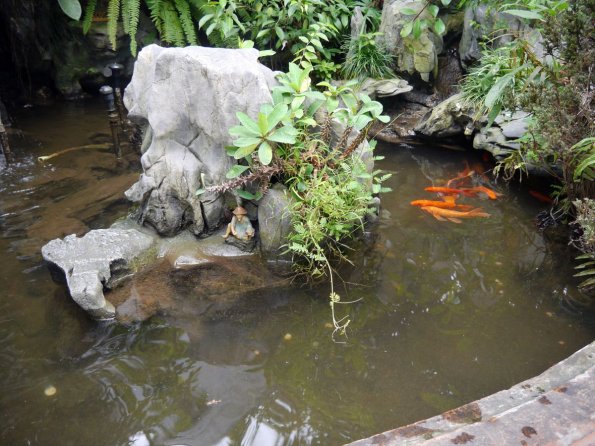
(240, 226)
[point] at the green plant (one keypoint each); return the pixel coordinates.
(500, 76)
(367, 57)
(556, 88)
(291, 140)
(290, 27)
(584, 153)
(585, 220)
(423, 17)
(173, 19)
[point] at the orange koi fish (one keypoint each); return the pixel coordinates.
(454, 216)
(541, 197)
(446, 204)
(444, 190)
(472, 191)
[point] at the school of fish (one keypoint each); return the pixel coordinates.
(447, 209)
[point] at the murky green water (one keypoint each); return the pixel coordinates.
(449, 313)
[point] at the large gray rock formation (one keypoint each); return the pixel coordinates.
(413, 55)
(189, 97)
(480, 23)
(102, 258)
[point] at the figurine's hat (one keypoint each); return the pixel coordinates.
(240, 211)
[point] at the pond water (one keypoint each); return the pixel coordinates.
(448, 313)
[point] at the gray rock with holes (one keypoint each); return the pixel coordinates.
(188, 99)
(100, 259)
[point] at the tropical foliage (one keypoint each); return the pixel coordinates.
(285, 26)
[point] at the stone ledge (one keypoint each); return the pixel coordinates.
(554, 408)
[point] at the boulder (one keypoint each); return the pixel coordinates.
(274, 220)
(189, 97)
(479, 24)
(449, 118)
(500, 139)
(413, 55)
(102, 258)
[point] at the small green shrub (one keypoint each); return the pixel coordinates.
(585, 219)
(367, 57)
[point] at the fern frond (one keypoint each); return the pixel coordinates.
(133, 17)
(125, 7)
(186, 20)
(156, 16)
(89, 12)
(113, 14)
(172, 28)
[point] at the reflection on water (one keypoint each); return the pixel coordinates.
(450, 313)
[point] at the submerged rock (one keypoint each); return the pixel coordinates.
(189, 98)
(102, 258)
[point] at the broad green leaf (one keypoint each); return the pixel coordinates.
(313, 108)
(244, 151)
(350, 101)
(243, 142)
(408, 11)
(204, 19)
(439, 27)
(309, 122)
(524, 14)
(383, 118)
(434, 10)
(297, 102)
(200, 191)
(276, 116)
(407, 29)
(210, 29)
(417, 29)
(241, 131)
(497, 89)
(72, 8)
(265, 53)
(247, 122)
(247, 195)
(445, 2)
(332, 104)
(265, 153)
(236, 171)
(493, 114)
(280, 33)
(373, 106)
(361, 121)
(245, 43)
(263, 123)
(284, 135)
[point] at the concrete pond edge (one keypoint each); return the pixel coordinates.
(556, 407)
